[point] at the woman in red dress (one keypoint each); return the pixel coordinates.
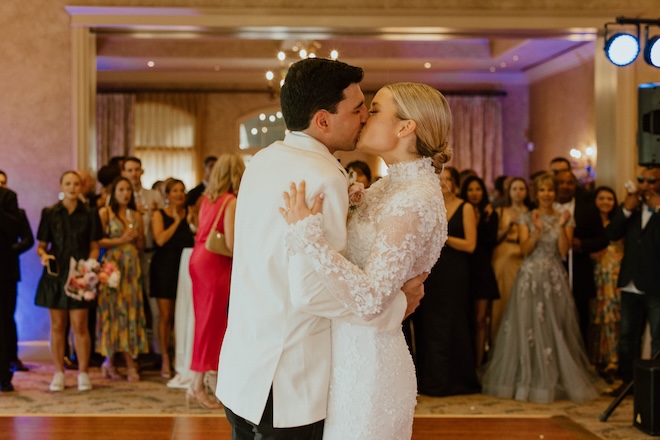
(211, 272)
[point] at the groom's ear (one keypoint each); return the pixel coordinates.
(321, 121)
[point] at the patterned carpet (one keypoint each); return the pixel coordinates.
(151, 397)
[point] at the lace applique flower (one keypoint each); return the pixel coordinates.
(547, 355)
(540, 311)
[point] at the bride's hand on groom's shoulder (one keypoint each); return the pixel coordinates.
(295, 205)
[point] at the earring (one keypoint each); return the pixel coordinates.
(398, 134)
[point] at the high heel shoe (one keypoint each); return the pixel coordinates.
(108, 371)
(201, 398)
(132, 374)
(166, 371)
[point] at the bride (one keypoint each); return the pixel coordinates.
(394, 234)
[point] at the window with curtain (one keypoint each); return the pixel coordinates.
(165, 137)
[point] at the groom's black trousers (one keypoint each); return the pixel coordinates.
(245, 430)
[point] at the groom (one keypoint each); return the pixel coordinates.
(274, 366)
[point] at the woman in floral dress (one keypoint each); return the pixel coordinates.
(120, 323)
(605, 314)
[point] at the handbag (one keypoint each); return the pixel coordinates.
(215, 242)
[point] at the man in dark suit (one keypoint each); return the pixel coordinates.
(589, 236)
(25, 242)
(194, 194)
(10, 226)
(638, 220)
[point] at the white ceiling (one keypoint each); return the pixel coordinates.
(238, 61)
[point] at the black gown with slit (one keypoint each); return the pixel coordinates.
(444, 347)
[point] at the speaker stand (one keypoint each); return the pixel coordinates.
(617, 400)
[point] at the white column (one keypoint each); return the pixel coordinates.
(83, 68)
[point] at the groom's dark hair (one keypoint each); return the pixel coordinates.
(314, 84)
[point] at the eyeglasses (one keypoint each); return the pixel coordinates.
(650, 180)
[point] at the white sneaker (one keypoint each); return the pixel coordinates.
(57, 384)
(84, 384)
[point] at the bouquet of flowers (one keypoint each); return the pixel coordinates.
(86, 276)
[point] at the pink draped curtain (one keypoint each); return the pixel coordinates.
(476, 138)
(114, 125)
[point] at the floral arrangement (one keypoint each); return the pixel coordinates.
(355, 192)
(86, 276)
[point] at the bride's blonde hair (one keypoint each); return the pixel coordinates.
(430, 111)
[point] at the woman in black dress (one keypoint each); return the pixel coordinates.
(68, 229)
(172, 233)
(444, 355)
(483, 284)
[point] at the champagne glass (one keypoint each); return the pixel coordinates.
(129, 218)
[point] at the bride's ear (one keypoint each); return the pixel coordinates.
(407, 127)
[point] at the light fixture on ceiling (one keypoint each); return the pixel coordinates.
(623, 46)
(298, 51)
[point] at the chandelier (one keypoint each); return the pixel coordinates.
(289, 55)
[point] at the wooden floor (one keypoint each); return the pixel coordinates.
(96, 427)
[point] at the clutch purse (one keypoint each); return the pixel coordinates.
(215, 242)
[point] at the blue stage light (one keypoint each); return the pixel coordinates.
(652, 51)
(622, 49)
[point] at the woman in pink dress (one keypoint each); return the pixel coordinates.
(210, 274)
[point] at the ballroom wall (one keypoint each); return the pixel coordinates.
(561, 115)
(36, 88)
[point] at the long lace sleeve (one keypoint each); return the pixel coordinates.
(366, 292)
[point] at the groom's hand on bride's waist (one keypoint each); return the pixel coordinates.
(414, 290)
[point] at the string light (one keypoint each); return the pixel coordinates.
(299, 50)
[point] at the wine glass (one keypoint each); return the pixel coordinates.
(129, 218)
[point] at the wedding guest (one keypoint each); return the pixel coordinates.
(606, 308)
(120, 320)
(9, 230)
(445, 355)
(538, 355)
(507, 256)
(88, 188)
(172, 233)
(559, 163)
(194, 194)
(211, 272)
(638, 221)
(8, 294)
(147, 201)
(67, 230)
(362, 172)
(483, 285)
(500, 189)
(106, 176)
(462, 175)
(588, 236)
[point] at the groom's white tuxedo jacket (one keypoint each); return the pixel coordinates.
(279, 332)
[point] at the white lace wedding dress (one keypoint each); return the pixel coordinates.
(396, 234)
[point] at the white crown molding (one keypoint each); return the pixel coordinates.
(569, 60)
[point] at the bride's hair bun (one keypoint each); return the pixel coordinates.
(442, 156)
(430, 110)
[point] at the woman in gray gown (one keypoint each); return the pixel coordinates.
(538, 354)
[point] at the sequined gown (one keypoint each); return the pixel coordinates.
(538, 354)
(396, 234)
